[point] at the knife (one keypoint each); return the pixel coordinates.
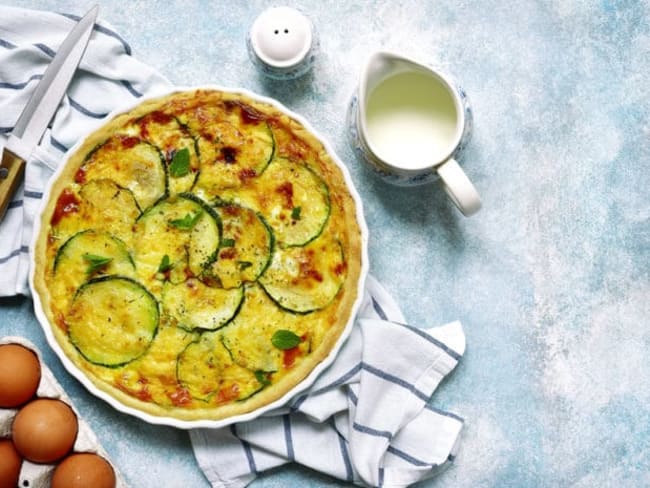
(40, 108)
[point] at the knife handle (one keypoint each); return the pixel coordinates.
(14, 168)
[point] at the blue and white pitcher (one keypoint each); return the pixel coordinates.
(410, 123)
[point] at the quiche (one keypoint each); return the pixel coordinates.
(199, 255)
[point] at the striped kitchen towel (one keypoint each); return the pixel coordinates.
(108, 76)
(366, 420)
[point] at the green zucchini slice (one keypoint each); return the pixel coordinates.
(114, 207)
(196, 306)
(112, 320)
(175, 239)
(246, 246)
(230, 152)
(132, 163)
(249, 336)
(79, 258)
(304, 279)
(206, 370)
(293, 199)
(176, 144)
(85, 255)
(101, 205)
(205, 238)
(158, 364)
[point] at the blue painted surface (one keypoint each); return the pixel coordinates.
(551, 279)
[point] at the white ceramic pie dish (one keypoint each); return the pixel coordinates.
(300, 387)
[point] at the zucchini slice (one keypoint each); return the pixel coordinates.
(132, 163)
(206, 370)
(249, 336)
(293, 199)
(157, 365)
(205, 238)
(181, 228)
(246, 246)
(75, 256)
(101, 205)
(112, 320)
(230, 152)
(196, 306)
(177, 145)
(304, 279)
(85, 255)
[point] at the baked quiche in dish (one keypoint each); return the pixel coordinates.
(199, 257)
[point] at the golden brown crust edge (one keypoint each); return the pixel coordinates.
(348, 295)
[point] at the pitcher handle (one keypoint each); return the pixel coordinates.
(459, 188)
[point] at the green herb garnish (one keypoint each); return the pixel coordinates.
(165, 264)
(244, 265)
(285, 339)
(187, 222)
(295, 213)
(95, 262)
(262, 377)
(227, 242)
(180, 164)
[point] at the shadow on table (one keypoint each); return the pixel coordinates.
(15, 301)
(288, 92)
(420, 206)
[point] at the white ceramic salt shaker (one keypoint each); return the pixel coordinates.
(282, 43)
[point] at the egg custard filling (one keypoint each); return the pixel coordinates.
(199, 255)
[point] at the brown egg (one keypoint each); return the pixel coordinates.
(83, 470)
(10, 462)
(20, 373)
(44, 430)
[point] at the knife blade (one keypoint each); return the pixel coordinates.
(42, 105)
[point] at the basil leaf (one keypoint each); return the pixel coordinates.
(180, 164)
(227, 242)
(285, 339)
(165, 264)
(295, 213)
(95, 262)
(187, 222)
(262, 377)
(244, 265)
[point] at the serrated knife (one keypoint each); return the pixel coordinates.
(42, 105)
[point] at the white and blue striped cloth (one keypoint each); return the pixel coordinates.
(108, 76)
(367, 419)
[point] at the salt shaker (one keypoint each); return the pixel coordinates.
(282, 43)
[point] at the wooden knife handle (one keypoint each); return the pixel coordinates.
(14, 168)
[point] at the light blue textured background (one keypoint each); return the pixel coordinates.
(551, 279)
